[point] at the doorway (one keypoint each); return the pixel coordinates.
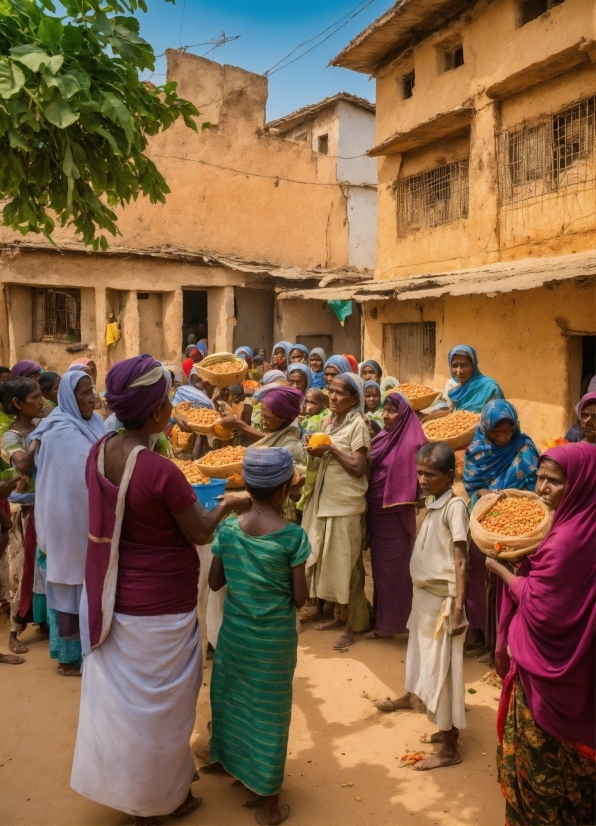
(588, 362)
(194, 316)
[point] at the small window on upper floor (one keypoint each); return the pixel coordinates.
(323, 144)
(408, 83)
(531, 9)
(453, 58)
(301, 137)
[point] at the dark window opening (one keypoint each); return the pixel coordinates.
(453, 58)
(56, 315)
(531, 9)
(408, 85)
(323, 144)
(588, 362)
(194, 316)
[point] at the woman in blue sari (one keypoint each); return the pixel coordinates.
(473, 389)
(499, 457)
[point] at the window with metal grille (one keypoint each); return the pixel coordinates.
(434, 197)
(409, 351)
(547, 154)
(56, 314)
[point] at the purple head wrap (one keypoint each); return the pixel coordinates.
(589, 398)
(136, 386)
(393, 455)
(25, 368)
(551, 634)
(284, 402)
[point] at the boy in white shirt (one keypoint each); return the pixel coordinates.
(439, 564)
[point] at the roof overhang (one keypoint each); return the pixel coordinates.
(308, 113)
(564, 61)
(404, 25)
(491, 280)
(440, 126)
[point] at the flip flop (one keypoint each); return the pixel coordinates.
(338, 647)
(196, 803)
(11, 659)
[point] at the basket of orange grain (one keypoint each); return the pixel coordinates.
(222, 369)
(418, 395)
(203, 420)
(457, 429)
(222, 463)
(510, 524)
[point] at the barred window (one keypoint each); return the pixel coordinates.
(433, 198)
(56, 315)
(548, 154)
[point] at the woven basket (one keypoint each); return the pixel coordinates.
(203, 429)
(462, 439)
(219, 379)
(219, 471)
(517, 546)
(421, 402)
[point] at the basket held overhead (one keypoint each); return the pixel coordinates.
(500, 545)
(232, 370)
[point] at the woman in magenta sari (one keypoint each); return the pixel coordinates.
(546, 720)
(138, 618)
(392, 496)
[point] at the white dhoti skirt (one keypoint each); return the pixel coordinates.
(435, 663)
(138, 704)
(210, 602)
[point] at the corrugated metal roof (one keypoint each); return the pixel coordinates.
(490, 280)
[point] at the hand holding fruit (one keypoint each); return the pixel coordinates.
(318, 444)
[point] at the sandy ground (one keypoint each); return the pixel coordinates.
(337, 737)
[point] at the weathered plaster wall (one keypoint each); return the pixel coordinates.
(312, 318)
(513, 334)
(494, 49)
(356, 137)
(255, 317)
(362, 221)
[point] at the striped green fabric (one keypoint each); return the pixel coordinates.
(251, 686)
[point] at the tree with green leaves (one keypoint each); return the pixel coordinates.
(75, 117)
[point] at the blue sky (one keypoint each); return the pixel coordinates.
(268, 30)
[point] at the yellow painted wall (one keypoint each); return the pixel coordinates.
(519, 341)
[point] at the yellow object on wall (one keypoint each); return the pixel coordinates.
(112, 333)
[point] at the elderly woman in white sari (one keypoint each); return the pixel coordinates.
(334, 515)
(65, 438)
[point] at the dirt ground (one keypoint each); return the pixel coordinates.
(337, 737)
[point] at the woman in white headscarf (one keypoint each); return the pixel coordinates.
(62, 511)
(334, 514)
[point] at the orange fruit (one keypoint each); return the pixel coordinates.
(319, 439)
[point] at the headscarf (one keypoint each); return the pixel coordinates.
(589, 398)
(188, 393)
(356, 382)
(67, 414)
(393, 453)
(267, 468)
(188, 350)
(202, 346)
(284, 402)
(352, 362)
(82, 360)
(318, 351)
(299, 367)
(476, 392)
(388, 383)
(592, 385)
(195, 355)
(25, 369)
(187, 366)
(176, 370)
(497, 468)
(318, 379)
(136, 386)
(77, 367)
(303, 350)
(286, 346)
(273, 375)
(552, 635)
(245, 351)
(375, 366)
(340, 362)
(371, 383)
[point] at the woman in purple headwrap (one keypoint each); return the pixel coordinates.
(280, 408)
(27, 369)
(138, 615)
(392, 496)
(546, 720)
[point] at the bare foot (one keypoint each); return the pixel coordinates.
(438, 761)
(342, 642)
(44, 630)
(395, 705)
(331, 625)
(15, 646)
(374, 635)
(272, 817)
(255, 802)
(437, 737)
(9, 659)
(318, 616)
(190, 804)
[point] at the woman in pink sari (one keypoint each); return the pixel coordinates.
(138, 618)
(546, 719)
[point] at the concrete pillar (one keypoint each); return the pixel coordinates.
(172, 325)
(101, 351)
(484, 187)
(220, 315)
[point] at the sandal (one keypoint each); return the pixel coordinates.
(387, 706)
(339, 646)
(374, 635)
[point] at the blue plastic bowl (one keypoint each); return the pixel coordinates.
(207, 494)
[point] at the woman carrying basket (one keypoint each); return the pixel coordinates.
(546, 720)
